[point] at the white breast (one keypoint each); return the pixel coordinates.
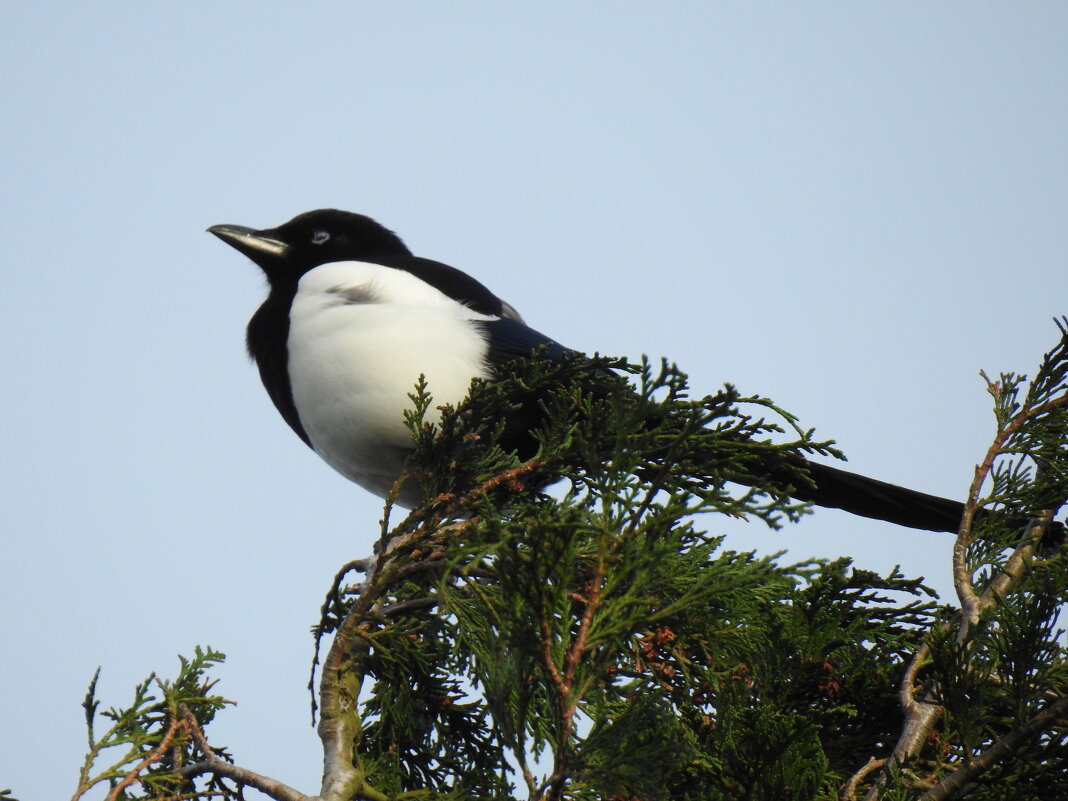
(360, 336)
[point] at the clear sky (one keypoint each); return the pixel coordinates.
(850, 208)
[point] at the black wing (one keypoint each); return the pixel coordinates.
(510, 339)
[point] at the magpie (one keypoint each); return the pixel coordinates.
(353, 318)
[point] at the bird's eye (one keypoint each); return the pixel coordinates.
(319, 237)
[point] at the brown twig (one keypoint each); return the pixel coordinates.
(185, 723)
(218, 767)
(566, 682)
(511, 476)
(547, 655)
(333, 602)
(559, 756)
(193, 727)
(972, 605)
(578, 649)
(153, 756)
(849, 791)
(266, 785)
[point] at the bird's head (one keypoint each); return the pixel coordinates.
(317, 237)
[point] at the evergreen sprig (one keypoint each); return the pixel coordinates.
(552, 622)
(153, 738)
(997, 677)
(607, 646)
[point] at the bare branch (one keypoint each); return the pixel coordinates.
(849, 791)
(153, 756)
(266, 785)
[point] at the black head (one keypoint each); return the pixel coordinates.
(316, 237)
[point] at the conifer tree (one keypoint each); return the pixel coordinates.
(564, 627)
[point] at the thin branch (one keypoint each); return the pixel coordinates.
(547, 655)
(849, 791)
(564, 690)
(962, 576)
(566, 683)
(266, 785)
(187, 724)
(906, 694)
(333, 601)
(921, 716)
(510, 477)
(578, 649)
(997, 752)
(528, 776)
(1018, 564)
(970, 602)
(193, 727)
(153, 756)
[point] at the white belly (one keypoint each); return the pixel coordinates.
(360, 336)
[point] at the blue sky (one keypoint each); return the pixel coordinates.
(850, 208)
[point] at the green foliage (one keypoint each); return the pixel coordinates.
(153, 733)
(1031, 471)
(598, 631)
(553, 623)
(999, 669)
(604, 636)
(1005, 671)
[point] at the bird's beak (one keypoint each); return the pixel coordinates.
(254, 244)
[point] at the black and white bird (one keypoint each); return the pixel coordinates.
(353, 318)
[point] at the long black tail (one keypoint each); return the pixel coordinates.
(869, 497)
